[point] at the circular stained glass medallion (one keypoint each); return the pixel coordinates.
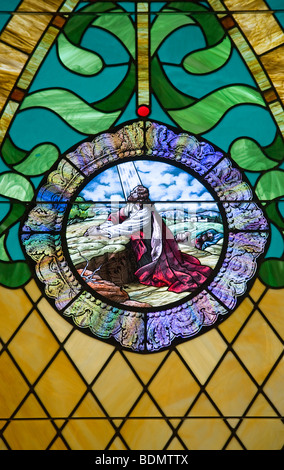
(144, 236)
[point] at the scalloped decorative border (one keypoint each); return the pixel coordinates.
(142, 331)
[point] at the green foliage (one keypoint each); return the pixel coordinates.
(80, 211)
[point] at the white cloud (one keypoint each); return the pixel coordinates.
(164, 181)
(104, 187)
(167, 182)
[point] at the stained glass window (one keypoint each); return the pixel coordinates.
(141, 195)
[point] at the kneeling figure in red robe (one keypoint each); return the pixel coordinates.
(159, 259)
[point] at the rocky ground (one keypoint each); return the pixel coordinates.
(113, 266)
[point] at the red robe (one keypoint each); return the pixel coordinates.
(180, 271)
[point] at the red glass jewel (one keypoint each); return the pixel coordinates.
(143, 111)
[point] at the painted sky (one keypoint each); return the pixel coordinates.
(165, 183)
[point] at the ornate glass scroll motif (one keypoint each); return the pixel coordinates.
(167, 253)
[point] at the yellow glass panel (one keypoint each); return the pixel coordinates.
(203, 353)
(60, 388)
(117, 444)
(233, 422)
(24, 30)
(88, 434)
(230, 387)
(239, 5)
(31, 409)
(272, 307)
(261, 29)
(234, 445)
(274, 387)
(2, 445)
(117, 388)
(136, 431)
(145, 407)
(32, 289)
(58, 444)
(262, 434)
(273, 62)
(13, 386)
(117, 422)
(146, 364)
(261, 407)
(204, 433)
(59, 423)
(16, 35)
(146, 434)
(175, 422)
(232, 325)
(257, 290)
(39, 5)
(33, 346)
(14, 306)
(89, 408)
(175, 444)
(58, 324)
(29, 434)
(91, 358)
(12, 62)
(258, 347)
(203, 407)
(263, 33)
(174, 388)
